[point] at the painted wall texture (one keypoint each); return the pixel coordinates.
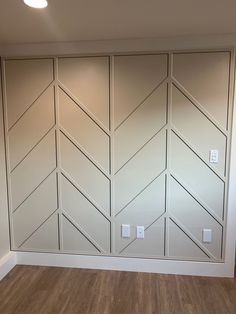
(97, 142)
(4, 223)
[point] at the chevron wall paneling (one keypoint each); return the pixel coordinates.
(96, 142)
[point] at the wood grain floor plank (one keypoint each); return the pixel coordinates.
(49, 290)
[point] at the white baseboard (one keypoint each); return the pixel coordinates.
(127, 264)
(7, 262)
(116, 263)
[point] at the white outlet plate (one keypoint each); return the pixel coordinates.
(207, 235)
(214, 156)
(140, 232)
(125, 231)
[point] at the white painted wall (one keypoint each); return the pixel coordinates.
(4, 226)
(88, 47)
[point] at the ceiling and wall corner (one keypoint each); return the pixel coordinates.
(75, 20)
(68, 27)
(86, 47)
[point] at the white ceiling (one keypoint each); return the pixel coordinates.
(75, 20)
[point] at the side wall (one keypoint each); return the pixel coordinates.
(4, 226)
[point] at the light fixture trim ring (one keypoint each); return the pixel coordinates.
(36, 4)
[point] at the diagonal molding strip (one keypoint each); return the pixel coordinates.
(142, 102)
(38, 142)
(197, 199)
(38, 228)
(84, 152)
(196, 152)
(47, 87)
(83, 107)
(85, 194)
(191, 237)
(149, 226)
(198, 106)
(54, 170)
(83, 232)
(156, 134)
(161, 173)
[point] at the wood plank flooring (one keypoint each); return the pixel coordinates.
(33, 289)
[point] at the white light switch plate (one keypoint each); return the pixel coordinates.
(140, 232)
(207, 235)
(125, 231)
(214, 156)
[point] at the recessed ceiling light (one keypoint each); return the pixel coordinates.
(38, 4)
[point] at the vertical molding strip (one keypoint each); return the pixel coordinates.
(228, 162)
(168, 151)
(58, 155)
(112, 191)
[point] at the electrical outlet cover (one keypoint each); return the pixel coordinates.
(125, 231)
(140, 232)
(207, 235)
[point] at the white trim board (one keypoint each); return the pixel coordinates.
(127, 264)
(7, 263)
(12, 259)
